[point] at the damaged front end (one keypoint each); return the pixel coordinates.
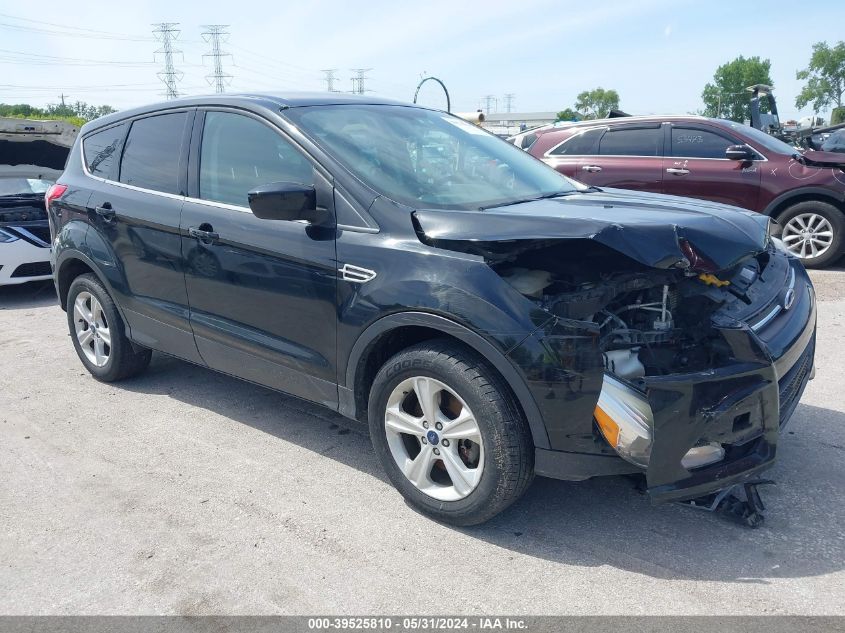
(685, 365)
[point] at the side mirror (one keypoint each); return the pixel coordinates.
(739, 152)
(285, 201)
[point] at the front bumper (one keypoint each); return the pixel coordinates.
(741, 406)
(25, 259)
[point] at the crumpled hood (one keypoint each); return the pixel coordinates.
(644, 226)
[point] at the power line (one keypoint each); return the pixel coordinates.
(509, 99)
(330, 78)
(87, 36)
(70, 28)
(166, 33)
(214, 34)
(38, 59)
(358, 81)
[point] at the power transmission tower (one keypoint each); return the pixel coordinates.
(509, 98)
(358, 81)
(488, 101)
(166, 33)
(215, 33)
(330, 78)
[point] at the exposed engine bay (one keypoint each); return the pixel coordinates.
(648, 322)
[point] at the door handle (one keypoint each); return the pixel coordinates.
(203, 235)
(590, 168)
(106, 212)
(677, 172)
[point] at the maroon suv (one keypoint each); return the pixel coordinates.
(711, 159)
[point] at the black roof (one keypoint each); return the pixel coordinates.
(272, 100)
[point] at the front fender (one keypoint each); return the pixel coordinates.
(803, 193)
(478, 343)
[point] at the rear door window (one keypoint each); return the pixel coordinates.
(102, 150)
(632, 142)
(690, 142)
(584, 144)
(151, 156)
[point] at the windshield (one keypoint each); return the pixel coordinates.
(18, 186)
(424, 158)
(766, 140)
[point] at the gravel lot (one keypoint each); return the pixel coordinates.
(187, 492)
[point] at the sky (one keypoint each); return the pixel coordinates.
(658, 54)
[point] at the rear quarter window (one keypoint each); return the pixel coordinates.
(151, 156)
(583, 144)
(102, 149)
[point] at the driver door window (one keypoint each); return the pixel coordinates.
(240, 153)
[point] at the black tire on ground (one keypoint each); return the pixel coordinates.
(125, 358)
(508, 466)
(837, 221)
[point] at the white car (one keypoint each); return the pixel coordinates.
(32, 156)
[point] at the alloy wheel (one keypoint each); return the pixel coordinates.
(808, 235)
(434, 438)
(92, 328)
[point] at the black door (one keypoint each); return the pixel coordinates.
(261, 292)
(134, 212)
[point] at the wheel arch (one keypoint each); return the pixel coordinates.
(804, 194)
(395, 332)
(71, 265)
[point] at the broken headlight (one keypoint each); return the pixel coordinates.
(626, 421)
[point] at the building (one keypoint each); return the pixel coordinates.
(508, 123)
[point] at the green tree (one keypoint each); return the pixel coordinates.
(825, 77)
(78, 113)
(595, 104)
(568, 114)
(727, 97)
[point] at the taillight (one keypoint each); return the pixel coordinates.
(697, 262)
(53, 193)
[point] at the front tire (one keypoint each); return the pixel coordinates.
(449, 434)
(814, 232)
(98, 334)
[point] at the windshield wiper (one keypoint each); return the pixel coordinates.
(510, 203)
(545, 196)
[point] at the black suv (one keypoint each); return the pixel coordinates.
(489, 317)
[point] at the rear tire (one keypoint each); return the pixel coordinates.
(813, 225)
(470, 401)
(98, 334)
